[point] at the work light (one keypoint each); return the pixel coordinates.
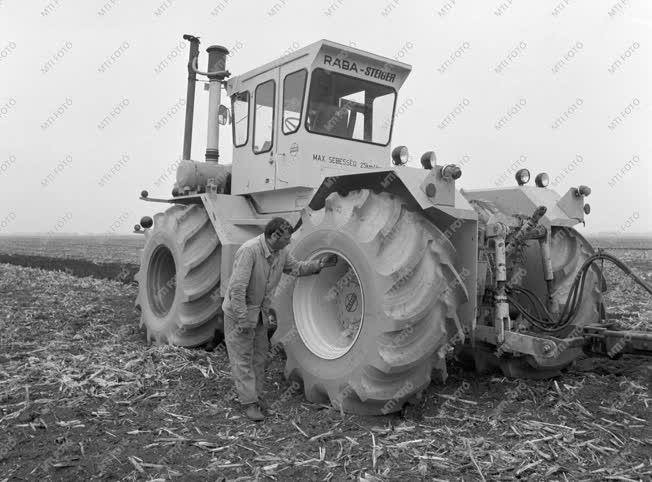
(428, 159)
(542, 180)
(522, 176)
(400, 155)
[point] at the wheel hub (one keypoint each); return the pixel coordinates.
(161, 281)
(329, 308)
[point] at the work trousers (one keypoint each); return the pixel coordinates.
(247, 349)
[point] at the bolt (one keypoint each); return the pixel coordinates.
(547, 348)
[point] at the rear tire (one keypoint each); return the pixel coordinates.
(179, 278)
(366, 334)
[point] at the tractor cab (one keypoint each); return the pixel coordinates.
(321, 111)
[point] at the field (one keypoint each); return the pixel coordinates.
(82, 395)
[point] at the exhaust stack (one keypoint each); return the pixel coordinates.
(190, 94)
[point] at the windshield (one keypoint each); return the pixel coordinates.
(350, 108)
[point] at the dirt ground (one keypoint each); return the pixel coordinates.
(82, 396)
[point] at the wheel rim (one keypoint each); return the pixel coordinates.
(329, 308)
(161, 281)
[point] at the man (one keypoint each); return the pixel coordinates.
(257, 269)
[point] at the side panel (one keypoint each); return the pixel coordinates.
(566, 211)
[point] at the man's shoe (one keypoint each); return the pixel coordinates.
(253, 412)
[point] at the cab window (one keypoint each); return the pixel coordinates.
(343, 106)
(240, 125)
(294, 87)
(264, 117)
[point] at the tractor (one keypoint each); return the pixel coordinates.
(497, 276)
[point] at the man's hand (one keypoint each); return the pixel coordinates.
(328, 260)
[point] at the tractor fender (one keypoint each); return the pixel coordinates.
(446, 208)
(564, 211)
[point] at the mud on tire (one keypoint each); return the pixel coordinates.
(179, 278)
(366, 334)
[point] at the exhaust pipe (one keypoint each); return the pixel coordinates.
(190, 94)
(216, 73)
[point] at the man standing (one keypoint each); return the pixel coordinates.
(257, 269)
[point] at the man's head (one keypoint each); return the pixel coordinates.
(278, 233)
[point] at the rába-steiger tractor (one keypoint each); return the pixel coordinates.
(498, 275)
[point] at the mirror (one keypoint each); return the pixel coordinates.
(223, 115)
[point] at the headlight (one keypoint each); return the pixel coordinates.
(400, 155)
(522, 176)
(428, 160)
(584, 190)
(451, 171)
(542, 180)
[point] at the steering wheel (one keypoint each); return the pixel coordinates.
(291, 123)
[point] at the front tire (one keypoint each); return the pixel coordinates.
(366, 334)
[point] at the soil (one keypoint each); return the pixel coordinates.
(84, 397)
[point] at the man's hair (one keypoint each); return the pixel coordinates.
(279, 225)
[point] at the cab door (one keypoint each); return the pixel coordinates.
(254, 165)
(292, 169)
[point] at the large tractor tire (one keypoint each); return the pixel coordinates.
(179, 278)
(366, 334)
(568, 251)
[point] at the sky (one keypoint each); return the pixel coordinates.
(92, 95)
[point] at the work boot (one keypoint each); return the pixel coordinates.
(253, 412)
